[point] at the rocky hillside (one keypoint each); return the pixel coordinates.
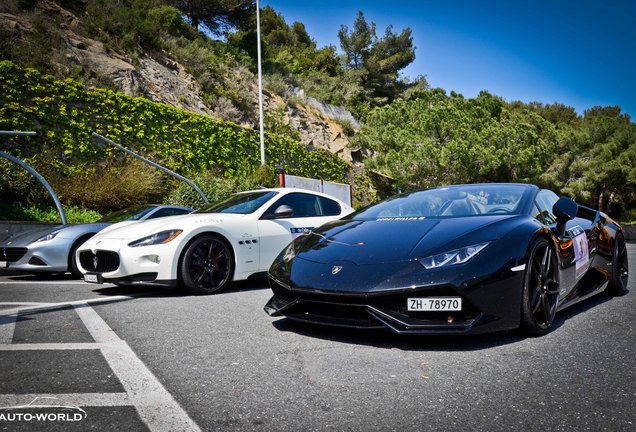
(159, 76)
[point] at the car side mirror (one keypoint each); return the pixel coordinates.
(283, 211)
(565, 210)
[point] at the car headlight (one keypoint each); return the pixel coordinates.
(49, 236)
(289, 253)
(157, 238)
(457, 256)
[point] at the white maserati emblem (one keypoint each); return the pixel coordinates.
(336, 269)
(95, 261)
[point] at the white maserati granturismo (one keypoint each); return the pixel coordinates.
(201, 252)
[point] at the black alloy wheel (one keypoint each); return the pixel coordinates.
(541, 289)
(620, 268)
(206, 265)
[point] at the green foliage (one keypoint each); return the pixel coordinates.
(377, 60)
(17, 185)
(38, 47)
(217, 186)
(277, 123)
(19, 212)
(220, 72)
(285, 48)
(113, 185)
(629, 217)
(364, 191)
(64, 114)
(347, 127)
(597, 160)
(169, 20)
(439, 139)
(216, 15)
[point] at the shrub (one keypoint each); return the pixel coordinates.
(106, 187)
(18, 212)
(170, 20)
(64, 114)
(218, 187)
(18, 186)
(629, 216)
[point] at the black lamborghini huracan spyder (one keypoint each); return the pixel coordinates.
(451, 260)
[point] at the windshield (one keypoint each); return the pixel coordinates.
(131, 213)
(454, 201)
(244, 203)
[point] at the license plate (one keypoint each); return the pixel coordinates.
(4, 264)
(92, 278)
(435, 304)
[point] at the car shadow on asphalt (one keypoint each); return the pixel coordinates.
(41, 277)
(158, 291)
(409, 342)
(252, 284)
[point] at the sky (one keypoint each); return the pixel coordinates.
(581, 53)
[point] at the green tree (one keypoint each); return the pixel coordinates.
(285, 48)
(216, 15)
(377, 61)
(611, 168)
(357, 43)
(436, 139)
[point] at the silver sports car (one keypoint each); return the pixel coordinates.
(52, 249)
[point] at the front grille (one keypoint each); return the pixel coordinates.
(100, 261)
(281, 292)
(12, 254)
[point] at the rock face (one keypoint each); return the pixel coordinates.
(159, 78)
(319, 131)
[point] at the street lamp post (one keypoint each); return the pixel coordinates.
(260, 82)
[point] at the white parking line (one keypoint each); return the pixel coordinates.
(155, 405)
(24, 304)
(29, 307)
(50, 346)
(70, 399)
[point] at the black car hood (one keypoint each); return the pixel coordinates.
(365, 242)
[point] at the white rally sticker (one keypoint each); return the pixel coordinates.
(581, 250)
(297, 232)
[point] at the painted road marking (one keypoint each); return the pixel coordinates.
(155, 405)
(51, 346)
(74, 399)
(41, 306)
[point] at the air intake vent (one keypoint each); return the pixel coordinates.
(36, 261)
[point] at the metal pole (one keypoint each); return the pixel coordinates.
(260, 82)
(37, 175)
(149, 162)
(27, 133)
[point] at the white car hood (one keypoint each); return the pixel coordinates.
(145, 228)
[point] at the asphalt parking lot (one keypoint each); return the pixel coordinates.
(106, 358)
